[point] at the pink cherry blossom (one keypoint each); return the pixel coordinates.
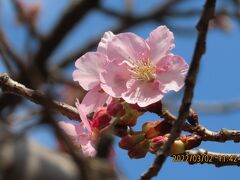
(89, 66)
(82, 134)
(142, 71)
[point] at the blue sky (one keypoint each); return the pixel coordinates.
(218, 78)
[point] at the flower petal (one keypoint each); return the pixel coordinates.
(127, 46)
(160, 42)
(83, 116)
(171, 73)
(114, 79)
(143, 93)
(94, 99)
(88, 68)
(88, 149)
(69, 128)
(102, 46)
(75, 132)
(83, 139)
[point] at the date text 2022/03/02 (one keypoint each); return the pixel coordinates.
(203, 158)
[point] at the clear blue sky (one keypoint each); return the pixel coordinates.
(218, 79)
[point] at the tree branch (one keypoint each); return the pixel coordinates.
(202, 27)
(222, 135)
(10, 86)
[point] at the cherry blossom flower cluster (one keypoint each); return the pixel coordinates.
(125, 72)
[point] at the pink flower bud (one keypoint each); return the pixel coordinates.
(157, 142)
(101, 119)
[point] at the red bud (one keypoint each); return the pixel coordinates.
(101, 119)
(139, 150)
(129, 141)
(116, 109)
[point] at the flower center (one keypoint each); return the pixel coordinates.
(143, 70)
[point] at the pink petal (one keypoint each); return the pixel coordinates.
(128, 47)
(143, 93)
(172, 70)
(88, 68)
(69, 128)
(109, 100)
(83, 116)
(114, 79)
(75, 132)
(94, 99)
(88, 149)
(160, 42)
(83, 139)
(102, 46)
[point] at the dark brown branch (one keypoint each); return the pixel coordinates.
(71, 16)
(10, 86)
(206, 135)
(215, 158)
(202, 27)
(221, 136)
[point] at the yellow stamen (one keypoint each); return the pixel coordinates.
(143, 71)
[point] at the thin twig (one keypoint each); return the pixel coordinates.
(202, 27)
(10, 86)
(222, 135)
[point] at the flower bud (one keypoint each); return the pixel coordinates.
(130, 117)
(157, 142)
(161, 128)
(149, 125)
(139, 150)
(129, 141)
(164, 127)
(177, 147)
(116, 109)
(191, 141)
(101, 119)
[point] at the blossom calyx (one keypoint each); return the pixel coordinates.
(129, 141)
(139, 150)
